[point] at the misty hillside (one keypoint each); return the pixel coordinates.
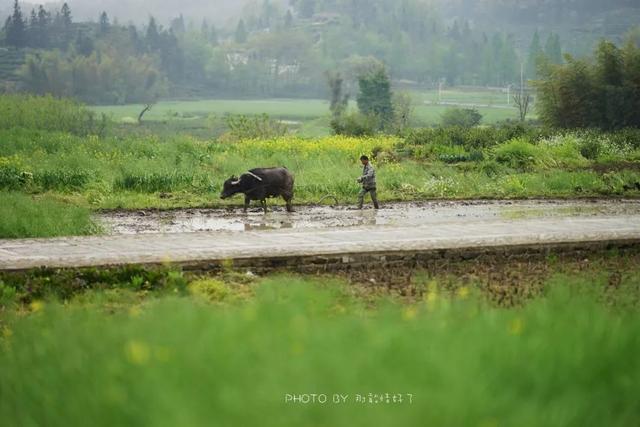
(138, 11)
(610, 15)
(141, 51)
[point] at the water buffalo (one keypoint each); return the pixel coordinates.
(261, 184)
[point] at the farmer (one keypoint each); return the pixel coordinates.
(368, 181)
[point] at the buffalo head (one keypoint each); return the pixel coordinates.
(230, 188)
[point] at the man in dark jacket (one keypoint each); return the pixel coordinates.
(368, 181)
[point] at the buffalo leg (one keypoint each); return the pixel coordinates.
(247, 202)
(289, 204)
(264, 205)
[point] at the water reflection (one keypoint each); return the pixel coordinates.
(261, 226)
(367, 218)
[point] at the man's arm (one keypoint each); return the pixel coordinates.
(368, 172)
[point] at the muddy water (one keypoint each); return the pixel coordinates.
(397, 214)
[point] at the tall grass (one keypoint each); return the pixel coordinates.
(149, 171)
(25, 216)
(562, 360)
(49, 113)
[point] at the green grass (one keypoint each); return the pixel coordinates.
(303, 110)
(26, 216)
(230, 354)
(49, 113)
(300, 109)
(149, 171)
(463, 96)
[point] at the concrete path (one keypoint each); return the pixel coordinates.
(215, 246)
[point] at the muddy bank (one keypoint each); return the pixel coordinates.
(395, 214)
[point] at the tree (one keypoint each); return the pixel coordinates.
(288, 19)
(32, 29)
(84, 44)
(241, 33)
(44, 27)
(213, 36)
(306, 8)
(104, 24)
(374, 98)
(601, 91)
(535, 50)
(153, 36)
(339, 99)
(15, 28)
(403, 111)
(609, 84)
(177, 25)
(522, 99)
(65, 25)
(209, 33)
(552, 49)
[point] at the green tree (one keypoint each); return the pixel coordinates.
(609, 84)
(153, 36)
(374, 97)
(631, 80)
(241, 34)
(65, 26)
(15, 28)
(83, 44)
(601, 91)
(44, 27)
(535, 51)
(553, 49)
(339, 100)
(104, 25)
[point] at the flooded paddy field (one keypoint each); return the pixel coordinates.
(322, 217)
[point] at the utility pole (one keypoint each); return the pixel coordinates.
(521, 80)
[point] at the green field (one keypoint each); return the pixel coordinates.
(75, 161)
(294, 109)
(299, 110)
(174, 349)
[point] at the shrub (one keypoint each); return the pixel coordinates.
(474, 138)
(590, 148)
(210, 290)
(492, 168)
(12, 177)
(463, 117)
(254, 127)
(61, 179)
(354, 125)
(8, 295)
(518, 154)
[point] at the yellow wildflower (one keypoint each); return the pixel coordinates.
(516, 326)
(36, 306)
(409, 313)
(137, 352)
(463, 292)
